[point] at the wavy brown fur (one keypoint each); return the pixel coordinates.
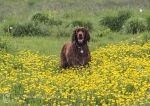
(71, 55)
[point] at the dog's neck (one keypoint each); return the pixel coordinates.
(79, 47)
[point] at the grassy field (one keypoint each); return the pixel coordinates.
(118, 75)
(52, 46)
(66, 11)
(21, 12)
(30, 46)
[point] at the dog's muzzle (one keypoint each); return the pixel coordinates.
(80, 40)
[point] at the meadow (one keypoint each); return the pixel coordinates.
(64, 16)
(118, 75)
(32, 33)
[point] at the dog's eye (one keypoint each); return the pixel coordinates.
(83, 31)
(77, 31)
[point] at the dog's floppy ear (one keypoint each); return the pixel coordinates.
(74, 35)
(87, 35)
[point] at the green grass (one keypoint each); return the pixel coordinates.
(21, 11)
(52, 45)
(8, 103)
(67, 11)
(42, 45)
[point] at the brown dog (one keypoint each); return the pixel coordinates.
(76, 53)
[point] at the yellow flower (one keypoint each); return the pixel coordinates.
(118, 74)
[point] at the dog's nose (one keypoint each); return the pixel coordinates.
(80, 36)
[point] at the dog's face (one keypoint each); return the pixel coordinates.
(80, 35)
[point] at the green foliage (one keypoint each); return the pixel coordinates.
(29, 29)
(135, 25)
(40, 18)
(146, 38)
(80, 23)
(7, 26)
(148, 23)
(115, 23)
(130, 88)
(43, 18)
(124, 15)
(109, 21)
(63, 33)
(52, 21)
(102, 32)
(3, 44)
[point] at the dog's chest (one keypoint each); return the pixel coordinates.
(78, 56)
(81, 56)
(80, 51)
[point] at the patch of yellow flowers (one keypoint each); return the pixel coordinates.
(117, 75)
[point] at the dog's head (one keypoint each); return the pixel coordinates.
(81, 35)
